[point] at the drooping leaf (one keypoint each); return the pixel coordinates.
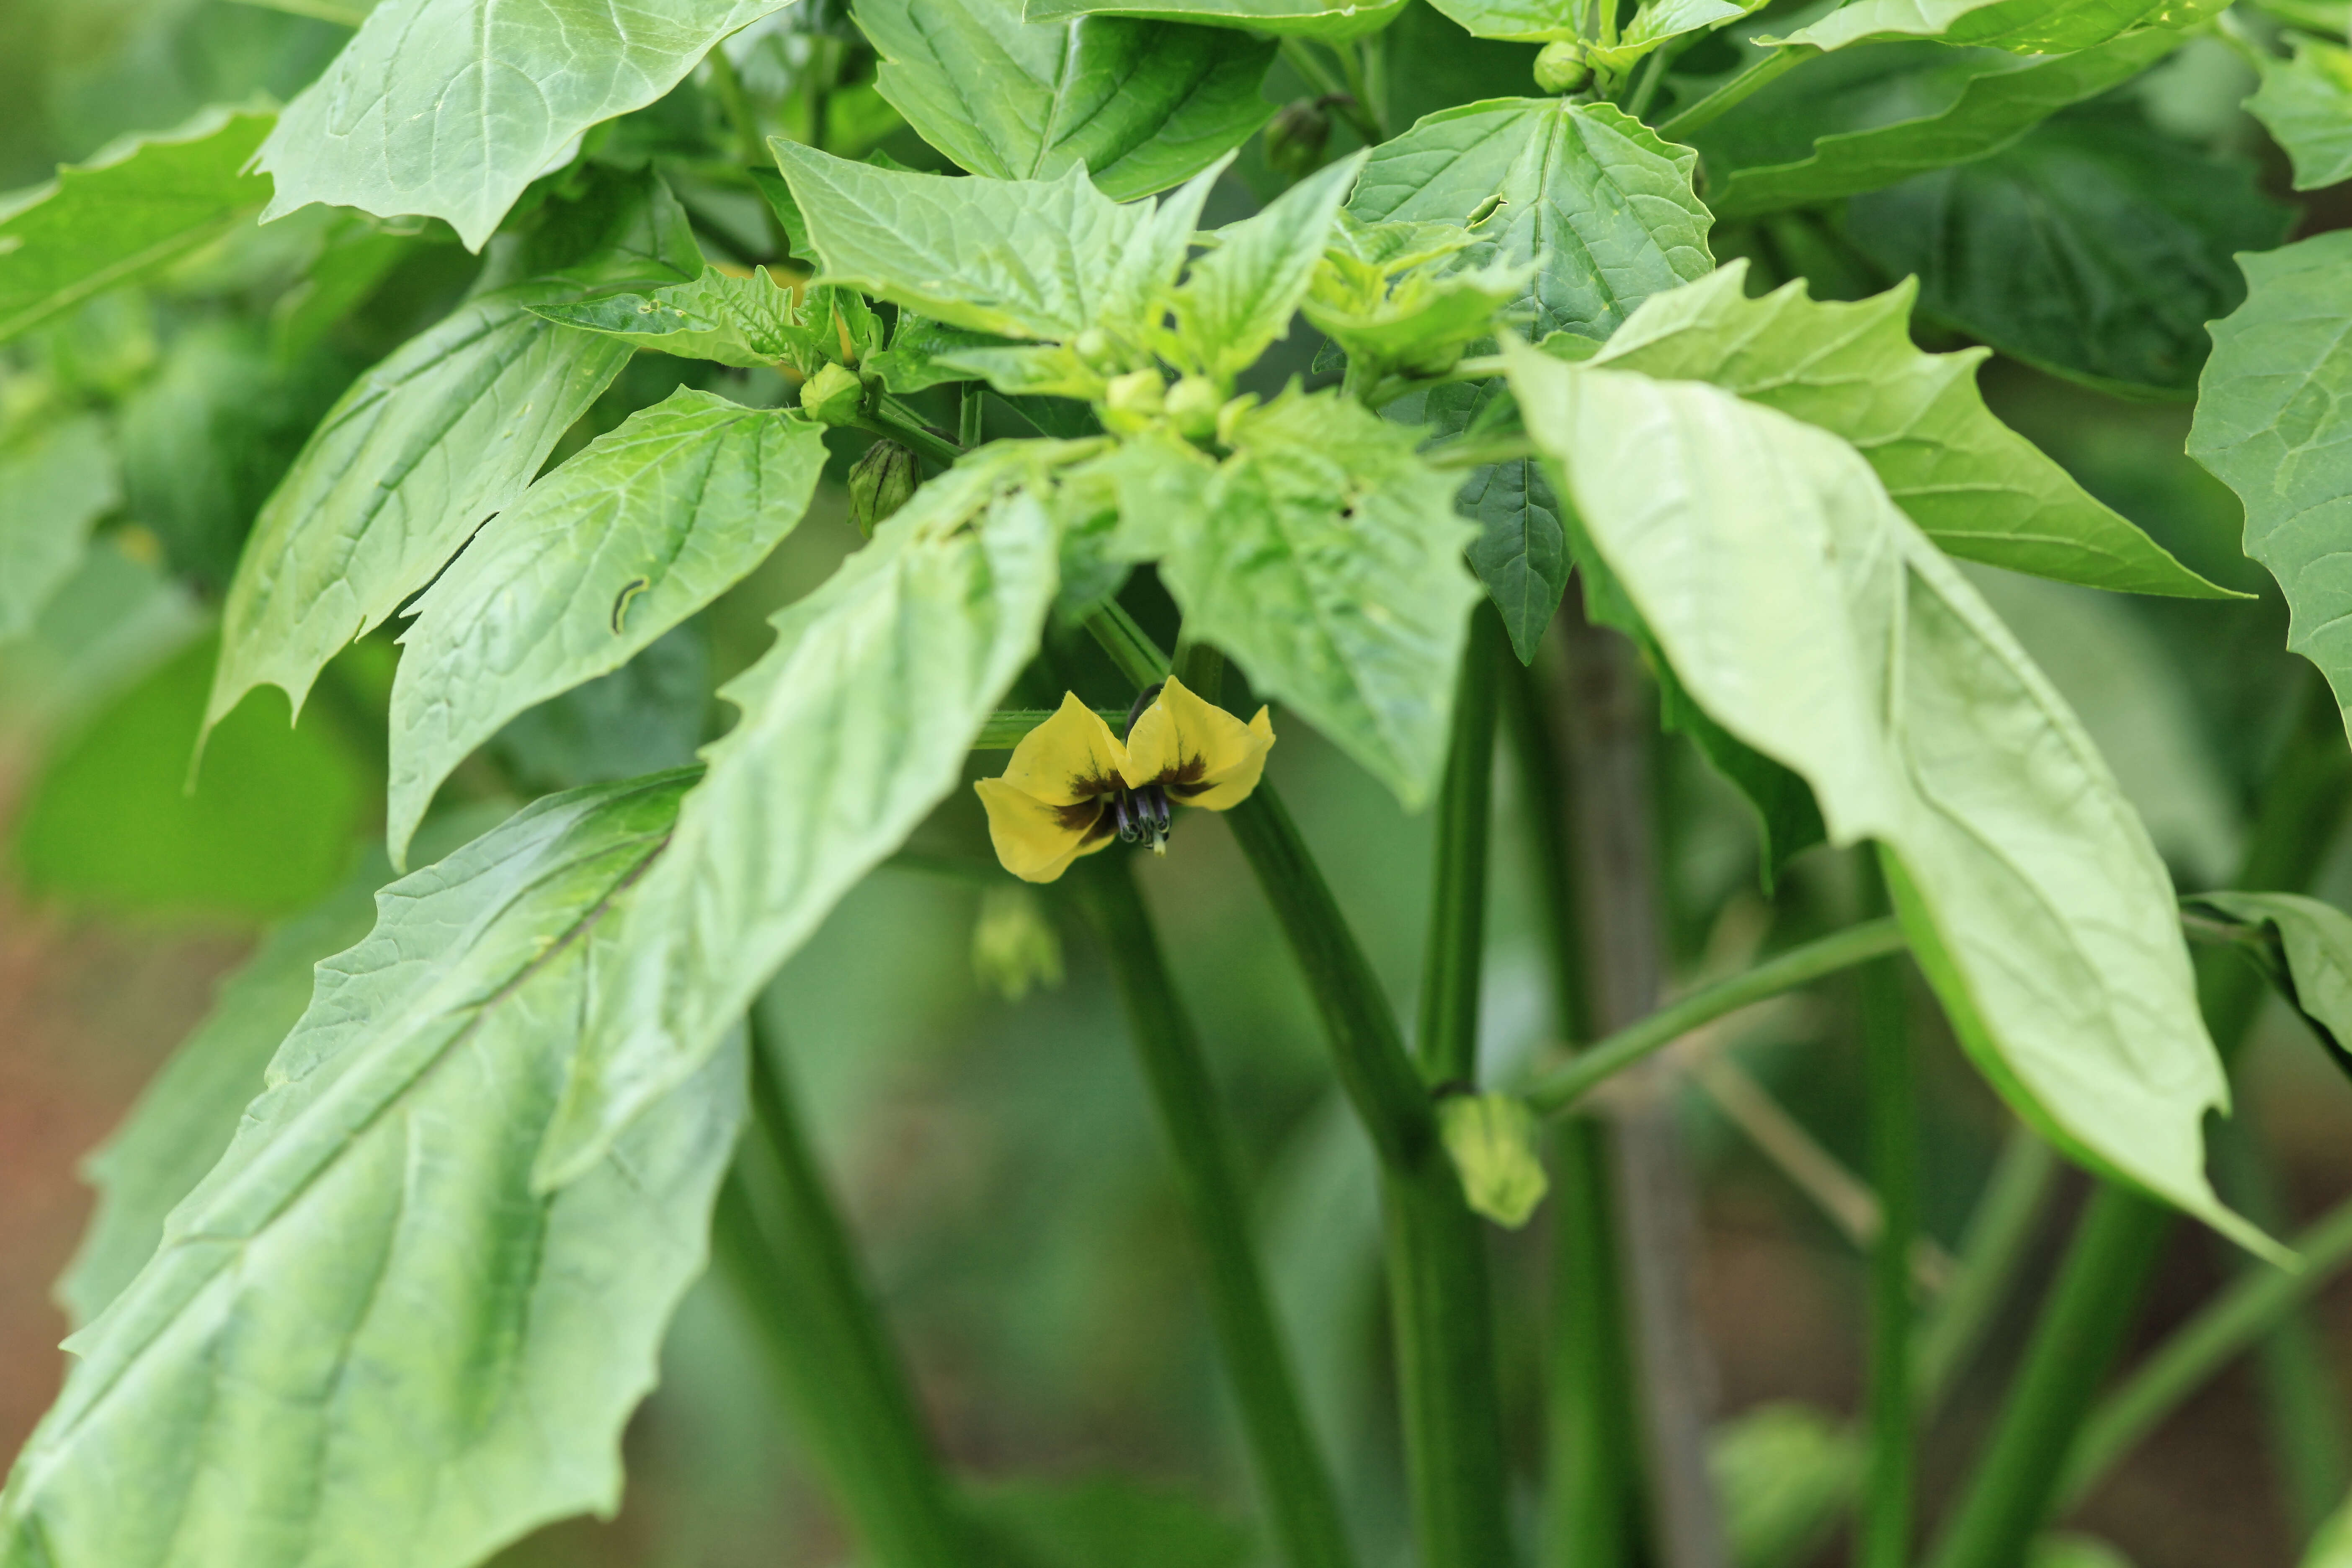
(854, 725)
(183, 1122)
(408, 462)
(133, 207)
(2309, 956)
(641, 530)
(1240, 296)
(1330, 20)
(1326, 558)
(2305, 104)
(2094, 249)
(2274, 423)
(1879, 116)
(56, 481)
(1810, 618)
(448, 108)
(365, 1336)
(750, 322)
(2023, 26)
(1601, 206)
(1143, 105)
(1979, 490)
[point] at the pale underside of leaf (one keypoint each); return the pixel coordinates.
(854, 725)
(365, 1339)
(448, 108)
(406, 465)
(1802, 611)
(645, 526)
(1332, 20)
(1142, 105)
(56, 482)
(1979, 489)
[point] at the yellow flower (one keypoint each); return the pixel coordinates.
(1073, 786)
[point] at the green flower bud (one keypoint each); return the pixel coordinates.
(1561, 66)
(880, 483)
(1193, 405)
(833, 395)
(1133, 401)
(1013, 944)
(1229, 417)
(1294, 142)
(1095, 349)
(1492, 1141)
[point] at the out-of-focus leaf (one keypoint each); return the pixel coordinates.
(111, 824)
(641, 530)
(448, 108)
(1786, 1471)
(1326, 558)
(1091, 1523)
(1979, 490)
(1810, 618)
(2306, 105)
(854, 725)
(2023, 26)
(364, 1338)
(56, 481)
(645, 717)
(1330, 20)
(2274, 423)
(2332, 1547)
(2071, 1551)
(2311, 957)
(2094, 249)
(1880, 116)
(132, 208)
(1240, 296)
(1142, 105)
(1591, 197)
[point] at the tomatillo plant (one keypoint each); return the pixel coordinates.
(1598, 380)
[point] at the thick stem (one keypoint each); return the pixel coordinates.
(2117, 1243)
(1883, 1539)
(1623, 921)
(1293, 1484)
(782, 1240)
(1457, 904)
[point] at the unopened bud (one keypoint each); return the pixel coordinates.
(833, 395)
(1561, 67)
(1133, 401)
(1193, 405)
(1294, 142)
(1014, 944)
(1095, 349)
(880, 483)
(1492, 1139)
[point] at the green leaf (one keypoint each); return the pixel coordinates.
(645, 717)
(2332, 1547)
(403, 467)
(1332, 21)
(365, 1336)
(1877, 117)
(183, 1119)
(1240, 296)
(1786, 1472)
(1018, 258)
(56, 481)
(2274, 423)
(1662, 19)
(1326, 558)
(854, 726)
(1602, 208)
(919, 347)
(1142, 105)
(2023, 26)
(750, 322)
(448, 108)
(645, 526)
(2309, 953)
(1491, 1139)
(1812, 620)
(2305, 104)
(1421, 323)
(1979, 490)
(2094, 249)
(135, 207)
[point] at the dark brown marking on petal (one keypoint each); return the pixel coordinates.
(1082, 817)
(1096, 783)
(1185, 780)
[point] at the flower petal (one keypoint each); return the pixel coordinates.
(1202, 754)
(1071, 757)
(1036, 839)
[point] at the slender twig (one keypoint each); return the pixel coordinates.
(1557, 1090)
(887, 419)
(1884, 1538)
(971, 414)
(1450, 976)
(1293, 1482)
(1477, 453)
(1333, 91)
(2000, 1234)
(1756, 75)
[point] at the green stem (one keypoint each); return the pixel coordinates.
(1559, 1089)
(1005, 727)
(749, 145)
(1757, 75)
(780, 1237)
(1293, 1484)
(2000, 1232)
(1450, 976)
(1884, 1533)
(2226, 1327)
(1331, 90)
(971, 414)
(902, 425)
(1477, 452)
(2116, 1245)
